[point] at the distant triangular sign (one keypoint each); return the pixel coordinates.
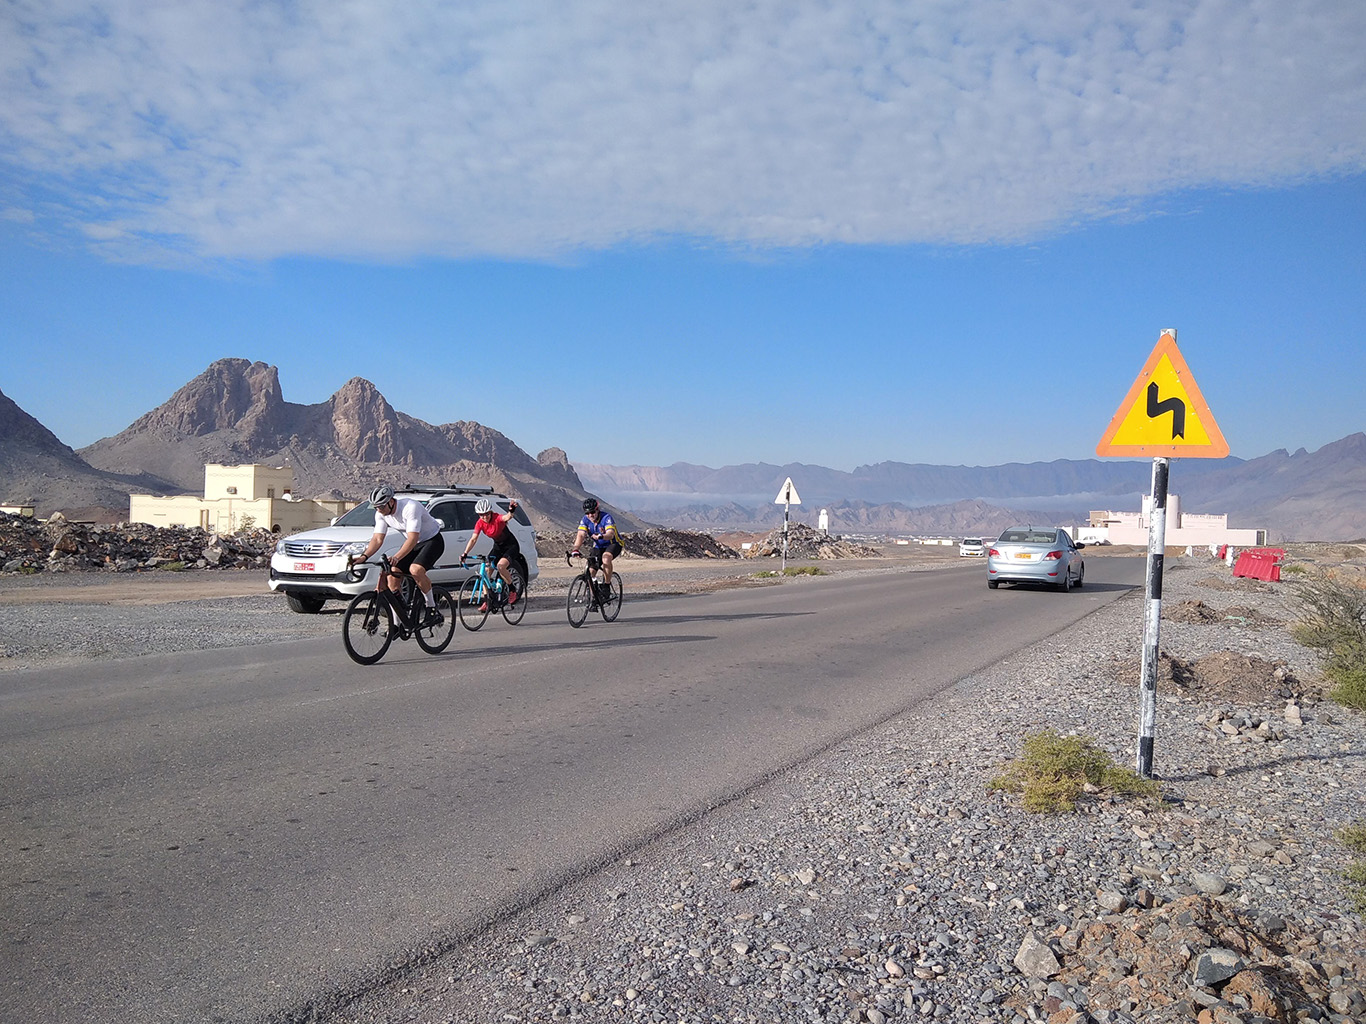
(1164, 414)
(788, 494)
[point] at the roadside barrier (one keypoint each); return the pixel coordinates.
(1260, 564)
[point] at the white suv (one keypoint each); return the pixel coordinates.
(310, 567)
(971, 547)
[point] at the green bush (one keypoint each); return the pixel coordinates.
(1055, 771)
(1354, 838)
(172, 566)
(1335, 622)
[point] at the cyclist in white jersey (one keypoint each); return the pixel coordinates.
(422, 542)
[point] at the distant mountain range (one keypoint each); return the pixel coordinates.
(1317, 495)
(235, 412)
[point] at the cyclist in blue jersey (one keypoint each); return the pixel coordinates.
(598, 525)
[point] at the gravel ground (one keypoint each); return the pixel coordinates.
(882, 881)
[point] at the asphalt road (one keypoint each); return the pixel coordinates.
(250, 834)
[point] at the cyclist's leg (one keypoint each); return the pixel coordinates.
(607, 566)
(419, 560)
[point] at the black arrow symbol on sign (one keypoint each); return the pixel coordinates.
(1172, 405)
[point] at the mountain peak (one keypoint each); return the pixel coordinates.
(232, 394)
(365, 426)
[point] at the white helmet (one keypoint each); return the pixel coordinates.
(381, 495)
(482, 505)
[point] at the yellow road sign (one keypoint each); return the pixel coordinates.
(1164, 413)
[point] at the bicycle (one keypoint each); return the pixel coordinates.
(587, 594)
(374, 619)
(487, 591)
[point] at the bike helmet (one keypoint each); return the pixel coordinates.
(590, 505)
(482, 506)
(381, 495)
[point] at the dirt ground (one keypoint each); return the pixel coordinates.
(163, 587)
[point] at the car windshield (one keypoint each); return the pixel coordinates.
(362, 515)
(1028, 537)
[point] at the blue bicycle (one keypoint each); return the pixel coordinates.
(486, 591)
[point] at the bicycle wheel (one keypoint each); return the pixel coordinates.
(434, 639)
(473, 593)
(366, 630)
(513, 612)
(612, 606)
(580, 597)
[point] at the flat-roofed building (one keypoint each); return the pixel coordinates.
(237, 498)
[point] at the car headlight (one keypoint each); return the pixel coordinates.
(280, 547)
(354, 548)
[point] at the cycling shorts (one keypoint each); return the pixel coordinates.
(509, 549)
(612, 549)
(425, 554)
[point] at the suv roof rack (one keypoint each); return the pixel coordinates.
(454, 489)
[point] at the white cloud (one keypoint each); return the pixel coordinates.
(370, 129)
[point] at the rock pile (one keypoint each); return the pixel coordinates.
(1222, 675)
(1199, 613)
(1226, 964)
(59, 545)
(804, 542)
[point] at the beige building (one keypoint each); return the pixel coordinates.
(1183, 529)
(237, 498)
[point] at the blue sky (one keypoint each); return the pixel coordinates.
(712, 233)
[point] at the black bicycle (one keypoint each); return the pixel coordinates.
(486, 591)
(376, 618)
(587, 592)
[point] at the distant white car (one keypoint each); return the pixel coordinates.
(972, 547)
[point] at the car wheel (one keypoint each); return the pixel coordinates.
(993, 584)
(1065, 584)
(305, 604)
(1081, 577)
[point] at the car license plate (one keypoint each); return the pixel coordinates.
(305, 567)
(1023, 554)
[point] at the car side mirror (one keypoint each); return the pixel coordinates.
(1080, 545)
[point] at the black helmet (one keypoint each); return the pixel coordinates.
(590, 505)
(381, 495)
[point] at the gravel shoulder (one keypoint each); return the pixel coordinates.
(883, 882)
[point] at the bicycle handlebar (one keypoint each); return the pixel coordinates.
(386, 568)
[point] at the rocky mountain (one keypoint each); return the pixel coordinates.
(1308, 495)
(235, 412)
(35, 467)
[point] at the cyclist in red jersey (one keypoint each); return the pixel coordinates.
(505, 546)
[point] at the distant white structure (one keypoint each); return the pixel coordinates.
(1189, 529)
(823, 521)
(236, 496)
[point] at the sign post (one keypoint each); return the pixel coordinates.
(786, 497)
(1163, 416)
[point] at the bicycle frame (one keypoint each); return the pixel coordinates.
(606, 600)
(490, 583)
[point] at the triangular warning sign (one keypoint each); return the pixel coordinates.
(1164, 414)
(788, 495)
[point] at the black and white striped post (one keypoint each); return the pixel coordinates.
(1163, 416)
(1152, 618)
